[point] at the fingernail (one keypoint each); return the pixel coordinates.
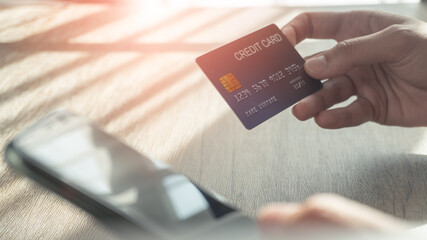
(316, 64)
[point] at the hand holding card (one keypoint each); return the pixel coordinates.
(258, 75)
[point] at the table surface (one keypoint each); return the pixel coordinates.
(132, 71)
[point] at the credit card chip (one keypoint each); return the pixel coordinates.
(230, 82)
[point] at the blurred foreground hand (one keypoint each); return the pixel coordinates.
(329, 210)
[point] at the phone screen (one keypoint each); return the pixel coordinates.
(95, 163)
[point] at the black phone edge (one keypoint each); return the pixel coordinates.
(109, 217)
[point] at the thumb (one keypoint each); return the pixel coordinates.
(374, 48)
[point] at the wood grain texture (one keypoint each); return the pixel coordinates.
(132, 71)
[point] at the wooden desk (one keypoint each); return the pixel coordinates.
(132, 70)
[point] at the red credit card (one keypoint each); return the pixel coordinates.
(258, 75)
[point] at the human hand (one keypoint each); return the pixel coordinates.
(330, 210)
(380, 58)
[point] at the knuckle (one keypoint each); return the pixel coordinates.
(364, 22)
(316, 205)
(334, 88)
(304, 19)
(358, 22)
(333, 85)
(318, 202)
(343, 51)
(392, 28)
(400, 34)
(398, 38)
(322, 102)
(344, 47)
(358, 15)
(301, 16)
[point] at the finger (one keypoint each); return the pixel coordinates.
(329, 209)
(382, 46)
(312, 25)
(334, 91)
(278, 214)
(338, 25)
(345, 212)
(315, 209)
(358, 112)
(286, 215)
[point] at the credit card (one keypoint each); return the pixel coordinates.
(258, 75)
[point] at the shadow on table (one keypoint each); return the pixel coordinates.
(47, 41)
(55, 101)
(55, 40)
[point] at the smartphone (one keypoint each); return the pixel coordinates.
(76, 159)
